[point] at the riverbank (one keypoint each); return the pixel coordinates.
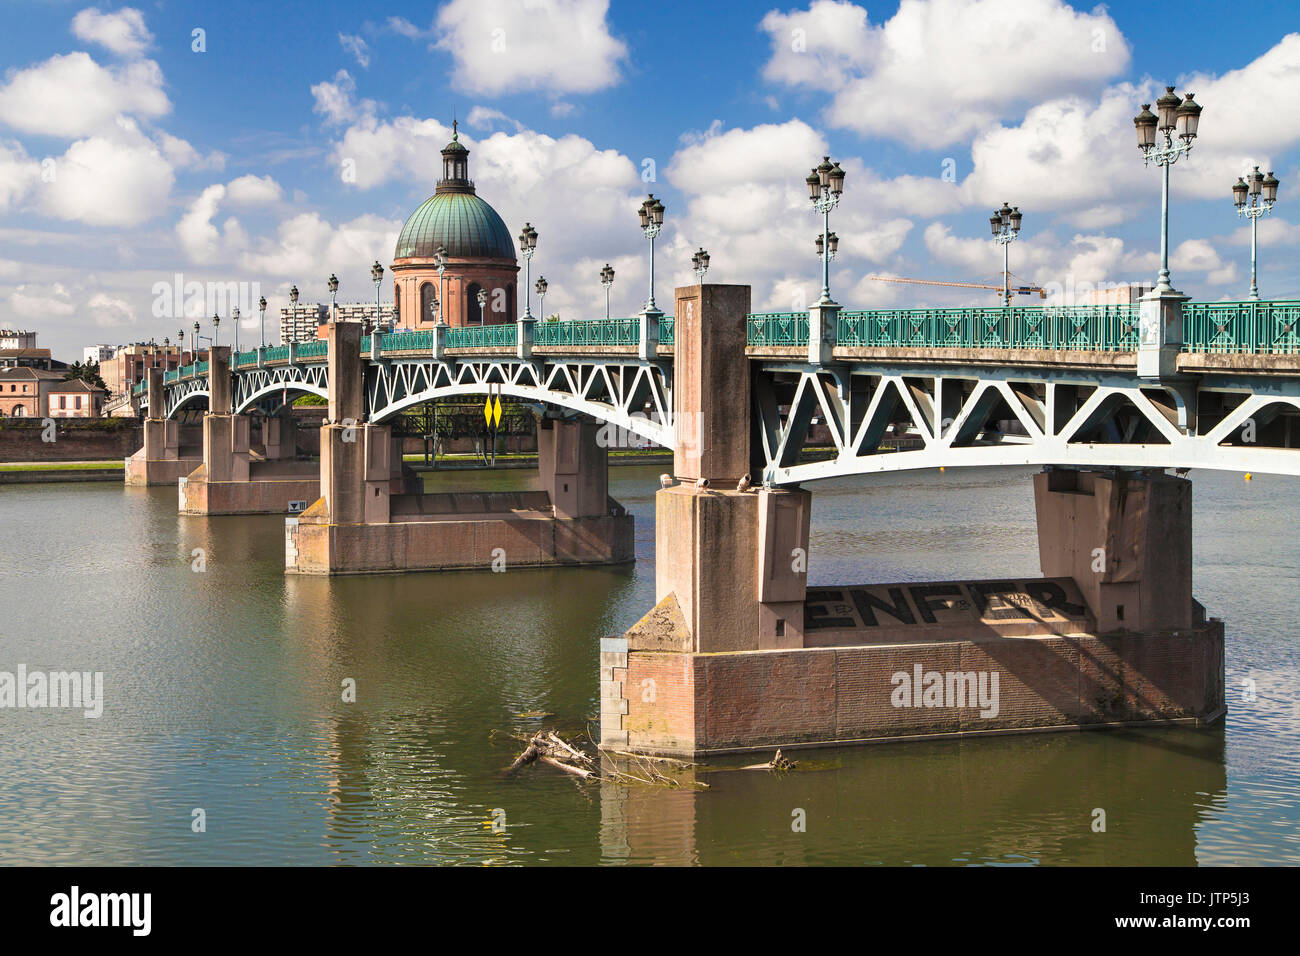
(45, 472)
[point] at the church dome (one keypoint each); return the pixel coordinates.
(455, 217)
(467, 226)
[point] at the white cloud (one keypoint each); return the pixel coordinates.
(18, 173)
(72, 95)
(122, 31)
(939, 71)
(357, 47)
(307, 245)
(253, 190)
(334, 99)
(401, 148)
(485, 117)
(103, 181)
(404, 27)
(41, 301)
(560, 46)
(110, 310)
(561, 109)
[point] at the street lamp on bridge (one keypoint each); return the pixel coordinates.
(1183, 117)
(1005, 223)
(293, 303)
(825, 185)
(440, 263)
(541, 294)
(834, 244)
(652, 220)
(607, 280)
(333, 285)
(527, 246)
(216, 326)
(482, 306)
(234, 317)
(194, 342)
(1254, 199)
(700, 263)
(377, 274)
(261, 322)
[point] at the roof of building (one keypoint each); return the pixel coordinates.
(29, 373)
(75, 385)
(466, 225)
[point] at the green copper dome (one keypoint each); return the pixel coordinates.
(462, 222)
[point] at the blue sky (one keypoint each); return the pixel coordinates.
(301, 135)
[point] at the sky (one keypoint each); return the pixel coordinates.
(159, 156)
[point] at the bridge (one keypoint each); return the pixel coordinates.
(1050, 385)
(740, 653)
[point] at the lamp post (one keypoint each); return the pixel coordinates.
(194, 343)
(167, 347)
(527, 245)
(1184, 118)
(234, 317)
(541, 295)
(261, 322)
(652, 220)
(607, 280)
(700, 263)
(1005, 223)
(825, 185)
(180, 345)
(482, 306)
(333, 284)
(440, 263)
(377, 274)
(1254, 199)
(216, 326)
(832, 242)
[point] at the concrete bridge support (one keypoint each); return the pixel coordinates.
(373, 517)
(232, 479)
(741, 654)
(162, 460)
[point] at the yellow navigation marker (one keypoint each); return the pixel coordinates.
(1249, 476)
(491, 413)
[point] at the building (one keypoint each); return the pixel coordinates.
(97, 354)
(24, 391)
(310, 319)
(11, 339)
(29, 358)
(480, 254)
(74, 399)
(129, 363)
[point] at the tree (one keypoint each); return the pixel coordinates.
(88, 373)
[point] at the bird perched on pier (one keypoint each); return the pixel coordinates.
(743, 484)
(701, 482)
(665, 481)
(1181, 471)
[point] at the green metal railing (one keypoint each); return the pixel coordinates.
(168, 377)
(139, 388)
(244, 358)
(1254, 328)
(185, 371)
(580, 332)
(316, 348)
(777, 328)
(200, 368)
(1088, 328)
(406, 341)
(667, 330)
(278, 353)
(504, 335)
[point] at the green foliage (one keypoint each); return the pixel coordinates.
(88, 373)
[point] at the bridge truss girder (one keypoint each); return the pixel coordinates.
(1065, 417)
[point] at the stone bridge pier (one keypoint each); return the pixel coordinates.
(162, 460)
(740, 654)
(232, 479)
(373, 516)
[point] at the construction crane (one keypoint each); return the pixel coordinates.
(1018, 289)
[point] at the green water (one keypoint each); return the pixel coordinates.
(223, 692)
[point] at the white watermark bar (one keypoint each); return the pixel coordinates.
(21, 689)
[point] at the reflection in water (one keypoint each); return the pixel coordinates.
(224, 690)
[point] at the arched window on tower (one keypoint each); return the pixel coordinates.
(428, 303)
(473, 311)
(397, 305)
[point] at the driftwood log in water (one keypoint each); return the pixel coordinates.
(549, 748)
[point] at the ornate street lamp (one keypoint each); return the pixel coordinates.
(293, 302)
(333, 284)
(652, 220)
(1254, 199)
(482, 306)
(234, 317)
(541, 294)
(528, 245)
(180, 345)
(1174, 116)
(440, 263)
(607, 280)
(261, 322)
(194, 342)
(825, 185)
(216, 326)
(377, 275)
(834, 244)
(1005, 223)
(700, 263)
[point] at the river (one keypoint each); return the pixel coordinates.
(222, 692)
